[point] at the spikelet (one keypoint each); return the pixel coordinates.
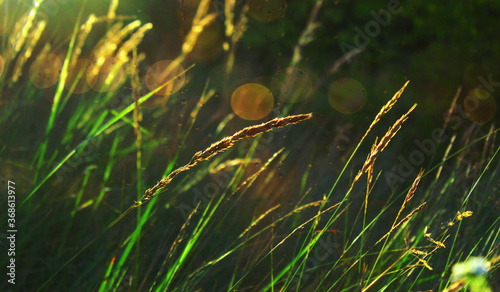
(222, 146)
(200, 21)
(387, 107)
(34, 36)
(112, 9)
(133, 42)
(82, 36)
(235, 36)
(380, 146)
(229, 15)
(404, 220)
(104, 48)
(28, 23)
(253, 177)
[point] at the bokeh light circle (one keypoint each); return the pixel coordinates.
(267, 10)
(1, 65)
(480, 106)
(157, 75)
(347, 95)
(473, 75)
(97, 76)
(45, 70)
(292, 85)
(76, 82)
(252, 101)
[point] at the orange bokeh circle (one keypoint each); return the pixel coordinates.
(480, 106)
(252, 101)
(45, 70)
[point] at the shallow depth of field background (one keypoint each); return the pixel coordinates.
(438, 47)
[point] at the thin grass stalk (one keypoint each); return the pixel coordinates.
(180, 237)
(248, 182)
(293, 212)
(384, 272)
(381, 113)
(305, 37)
(222, 146)
(57, 98)
(103, 128)
(408, 197)
(28, 23)
(85, 30)
(34, 36)
(112, 9)
(301, 252)
(138, 143)
(234, 33)
(463, 206)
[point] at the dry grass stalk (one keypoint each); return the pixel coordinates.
(180, 235)
(307, 206)
(491, 133)
(459, 217)
(82, 36)
(230, 164)
(445, 157)
(377, 148)
(222, 146)
(33, 37)
(301, 226)
(306, 36)
(452, 106)
(256, 221)
(201, 20)
(234, 33)
(26, 23)
(280, 219)
(346, 58)
(386, 108)
(405, 219)
(112, 9)
(410, 193)
(436, 242)
(253, 177)
(132, 43)
(384, 272)
(229, 15)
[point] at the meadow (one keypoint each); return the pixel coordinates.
(231, 145)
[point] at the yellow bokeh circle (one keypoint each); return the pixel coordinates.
(252, 101)
(267, 10)
(480, 106)
(45, 70)
(100, 74)
(76, 82)
(347, 95)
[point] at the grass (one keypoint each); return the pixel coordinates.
(115, 192)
